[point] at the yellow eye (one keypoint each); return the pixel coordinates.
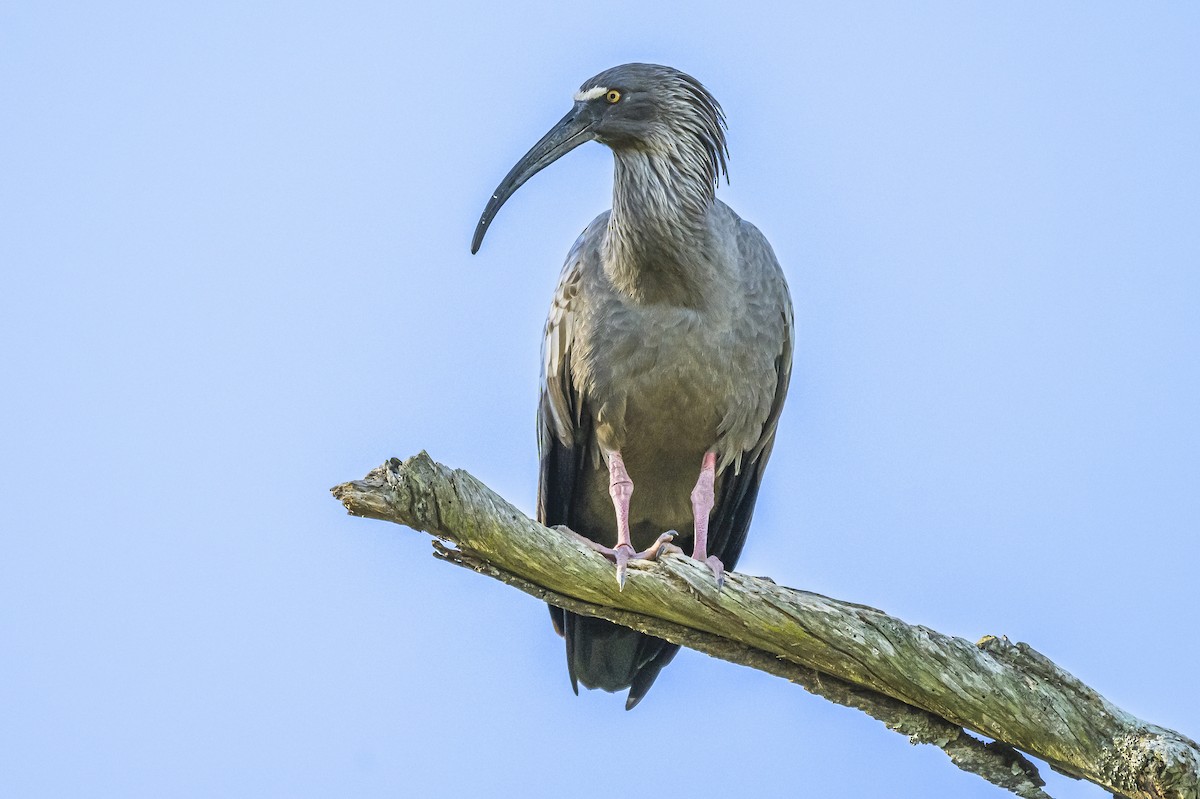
(612, 96)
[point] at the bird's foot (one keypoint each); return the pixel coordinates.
(718, 569)
(713, 563)
(622, 554)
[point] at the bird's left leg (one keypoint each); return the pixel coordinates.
(620, 488)
(703, 499)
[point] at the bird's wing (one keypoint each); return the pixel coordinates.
(599, 653)
(734, 505)
(560, 413)
(562, 439)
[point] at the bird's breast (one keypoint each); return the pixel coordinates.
(660, 381)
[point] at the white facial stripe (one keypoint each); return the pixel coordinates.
(591, 94)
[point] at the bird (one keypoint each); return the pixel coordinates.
(667, 354)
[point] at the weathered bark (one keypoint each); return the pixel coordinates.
(917, 681)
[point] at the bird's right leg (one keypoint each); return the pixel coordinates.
(620, 488)
(703, 497)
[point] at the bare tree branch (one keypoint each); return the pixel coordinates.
(919, 682)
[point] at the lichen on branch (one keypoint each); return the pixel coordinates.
(919, 682)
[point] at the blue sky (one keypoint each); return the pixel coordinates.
(236, 272)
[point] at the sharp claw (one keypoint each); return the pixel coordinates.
(718, 570)
(660, 546)
(622, 556)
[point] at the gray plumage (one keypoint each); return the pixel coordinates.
(670, 337)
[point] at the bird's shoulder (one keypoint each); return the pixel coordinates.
(582, 259)
(563, 323)
(765, 299)
(757, 257)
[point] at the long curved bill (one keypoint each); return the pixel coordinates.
(571, 131)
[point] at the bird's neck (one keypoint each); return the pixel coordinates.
(658, 247)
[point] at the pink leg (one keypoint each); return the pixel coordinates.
(703, 499)
(620, 488)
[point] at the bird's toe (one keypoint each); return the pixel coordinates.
(623, 554)
(661, 546)
(718, 570)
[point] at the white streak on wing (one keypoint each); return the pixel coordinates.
(591, 94)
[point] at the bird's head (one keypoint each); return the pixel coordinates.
(648, 108)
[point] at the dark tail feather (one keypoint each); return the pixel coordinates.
(610, 657)
(556, 618)
(647, 674)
